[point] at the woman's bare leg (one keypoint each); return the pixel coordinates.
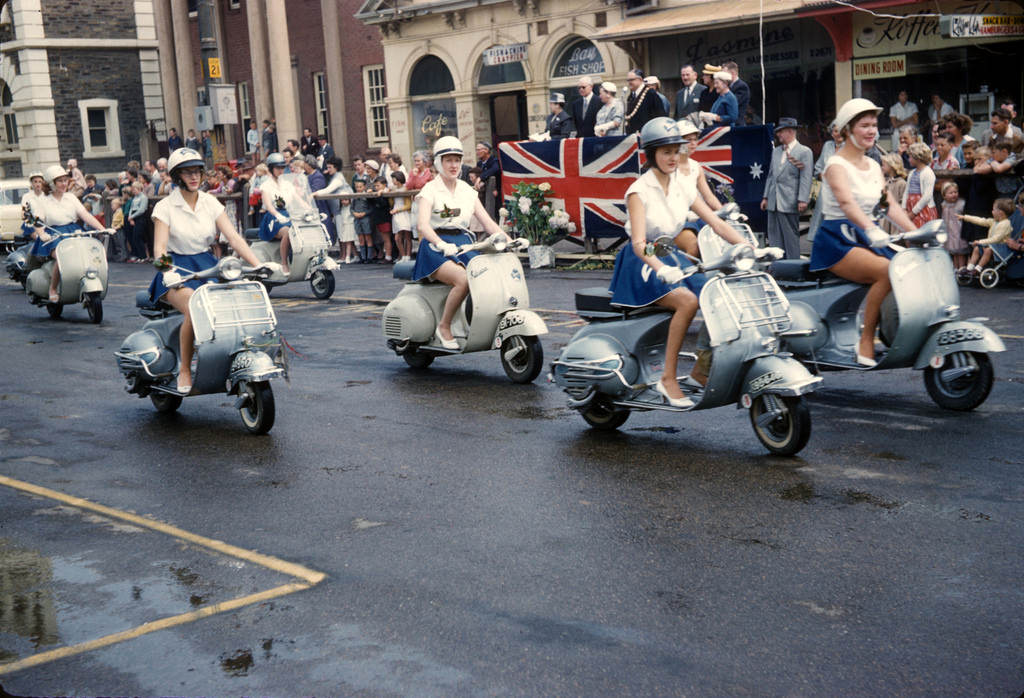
(865, 267)
(178, 297)
(455, 276)
(684, 307)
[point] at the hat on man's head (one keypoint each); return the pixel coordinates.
(485, 144)
(711, 69)
(557, 98)
(787, 122)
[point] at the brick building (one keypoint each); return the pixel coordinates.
(284, 60)
(77, 84)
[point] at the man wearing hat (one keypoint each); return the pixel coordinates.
(560, 123)
(487, 161)
(787, 188)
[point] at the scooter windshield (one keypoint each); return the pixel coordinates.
(302, 202)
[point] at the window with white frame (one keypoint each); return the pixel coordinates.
(101, 130)
(320, 101)
(244, 110)
(375, 92)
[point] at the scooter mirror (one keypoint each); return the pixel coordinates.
(728, 211)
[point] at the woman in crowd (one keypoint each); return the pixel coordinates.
(446, 204)
(959, 128)
(609, 117)
(185, 226)
(657, 204)
(849, 243)
(416, 180)
(61, 212)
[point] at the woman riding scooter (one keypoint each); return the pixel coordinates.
(446, 204)
(32, 202)
(61, 212)
(849, 242)
(658, 203)
(185, 225)
(278, 194)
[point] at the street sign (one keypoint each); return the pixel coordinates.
(972, 26)
(213, 65)
(498, 55)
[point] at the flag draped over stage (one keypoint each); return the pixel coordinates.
(589, 176)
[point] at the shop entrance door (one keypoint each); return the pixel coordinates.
(508, 117)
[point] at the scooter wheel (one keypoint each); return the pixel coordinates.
(602, 414)
(165, 403)
(957, 390)
(522, 358)
(322, 284)
(94, 306)
(787, 433)
(258, 412)
(989, 278)
(54, 309)
(418, 359)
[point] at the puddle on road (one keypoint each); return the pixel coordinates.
(664, 430)
(803, 492)
(26, 600)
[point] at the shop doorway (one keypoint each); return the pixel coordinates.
(508, 117)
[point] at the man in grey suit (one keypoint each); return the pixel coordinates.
(788, 188)
(688, 97)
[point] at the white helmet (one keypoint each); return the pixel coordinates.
(184, 157)
(33, 175)
(446, 145)
(53, 172)
(852, 108)
(687, 127)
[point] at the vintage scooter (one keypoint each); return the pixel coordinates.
(83, 275)
(920, 321)
(495, 314)
(609, 367)
(18, 264)
(309, 245)
(238, 348)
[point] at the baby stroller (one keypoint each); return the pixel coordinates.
(1006, 263)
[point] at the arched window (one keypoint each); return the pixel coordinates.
(433, 113)
(430, 77)
(10, 121)
(577, 59)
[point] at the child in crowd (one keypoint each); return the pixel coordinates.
(952, 210)
(138, 221)
(117, 223)
(944, 159)
(999, 230)
(919, 198)
(360, 208)
(401, 221)
(895, 184)
(967, 149)
(1001, 164)
(382, 218)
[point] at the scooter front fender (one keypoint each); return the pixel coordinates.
(91, 285)
(959, 335)
(778, 375)
(252, 366)
(522, 322)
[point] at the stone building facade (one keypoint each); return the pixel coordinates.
(78, 81)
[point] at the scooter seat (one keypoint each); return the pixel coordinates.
(596, 303)
(798, 270)
(252, 234)
(149, 308)
(403, 270)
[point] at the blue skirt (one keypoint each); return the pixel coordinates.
(631, 289)
(45, 249)
(270, 226)
(192, 262)
(429, 260)
(835, 238)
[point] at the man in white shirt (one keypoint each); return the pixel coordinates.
(688, 97)
(903, 113)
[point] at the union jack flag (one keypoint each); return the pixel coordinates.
(589, 176)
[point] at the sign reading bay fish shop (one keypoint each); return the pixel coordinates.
(971, 26)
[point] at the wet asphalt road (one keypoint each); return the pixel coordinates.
(477, 538)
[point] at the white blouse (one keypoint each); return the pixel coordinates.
(459, 205)
(67, 210)
(35, 203)
(664, 214)
(271, 189)
(189, 231)
(690, 180)
(866, 185)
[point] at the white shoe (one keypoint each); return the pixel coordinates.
(684, 401)
(445, 343)
(866, 361)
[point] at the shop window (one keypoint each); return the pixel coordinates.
(430, 77)
(320, 102)
(577, 59)
(101, 131)
(10, 121)
(433, 118)
(375, 93)
(500, 74)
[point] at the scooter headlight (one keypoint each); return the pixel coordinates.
(91, 273)
(941, 237)
(230, 268)
(743, 257)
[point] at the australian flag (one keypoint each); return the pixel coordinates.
(589, 176)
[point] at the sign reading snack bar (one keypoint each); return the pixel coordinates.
(881, 67)
(970, 26)
(919, 28)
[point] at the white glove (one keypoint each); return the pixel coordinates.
(171, 279)
(601, 129)
(538, 137)
(771, 252)
(274, 267)
(706, 117)
(877, 237)
(448, 249)
(670, 275)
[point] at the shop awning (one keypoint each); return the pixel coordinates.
(718, 13)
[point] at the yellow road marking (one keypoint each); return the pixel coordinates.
(310, 577)
(1012, 336)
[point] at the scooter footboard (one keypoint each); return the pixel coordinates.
(522, 322)
(952, 337)
(779, 375)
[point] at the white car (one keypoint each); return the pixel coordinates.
(11, 191)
